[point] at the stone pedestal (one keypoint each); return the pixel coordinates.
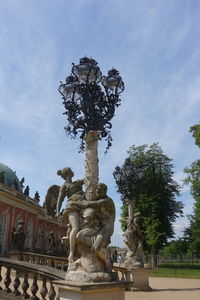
(140, 278)
(69, 290)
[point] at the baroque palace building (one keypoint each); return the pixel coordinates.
(15, 206)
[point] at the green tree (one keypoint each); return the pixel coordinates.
(195, 129)
(156, 198)
(193, 231)
(175, 249)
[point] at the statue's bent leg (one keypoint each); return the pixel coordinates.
(98, 242)
(103, 254)
(74, 221)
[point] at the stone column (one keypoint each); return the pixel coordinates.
(91, 165)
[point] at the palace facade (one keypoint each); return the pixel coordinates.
(15, 206)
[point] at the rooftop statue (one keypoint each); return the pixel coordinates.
(37, 197)
(27, 190)
(15, 185)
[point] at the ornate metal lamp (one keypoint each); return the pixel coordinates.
(90, 99)
(128, 179)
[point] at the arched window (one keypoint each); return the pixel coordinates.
(3, 230)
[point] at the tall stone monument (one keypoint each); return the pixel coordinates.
(90, 100)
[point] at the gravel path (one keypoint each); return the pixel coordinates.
(169, 289)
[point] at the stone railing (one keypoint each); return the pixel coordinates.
(56, 262)
(139, 277)
(26, 280)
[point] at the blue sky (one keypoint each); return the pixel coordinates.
(155, 44)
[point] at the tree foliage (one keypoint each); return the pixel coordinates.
(193, 179)
(176, 248)
(156, 200)
(195, 129)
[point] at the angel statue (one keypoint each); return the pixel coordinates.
(71, 215)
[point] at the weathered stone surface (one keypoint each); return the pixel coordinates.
(133, 239)
(90, 226)
(88, 276)
(89, 291)
(91, 165)
(89, 218)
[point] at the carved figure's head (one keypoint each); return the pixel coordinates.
(101, 190)
(66, 173)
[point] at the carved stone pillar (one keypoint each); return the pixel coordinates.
(91, 165)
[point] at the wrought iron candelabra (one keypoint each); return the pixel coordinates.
(90, 100)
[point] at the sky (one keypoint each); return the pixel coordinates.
(155, 44)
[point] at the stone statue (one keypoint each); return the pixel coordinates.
(51, 200)
(89, 223)
(2, 177)
(22, 183)
(133, 239)
(15, 185)
(73, 191)
(94, 227)
(26, 191)
(37, 197)
(18, 236)
(52, 243)
(104, 210)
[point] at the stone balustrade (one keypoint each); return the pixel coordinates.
(40, 259)
(32, 275)
(25, 280)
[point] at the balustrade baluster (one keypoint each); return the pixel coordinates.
(44, 291)
(0, 278)
(25, 286)
(16, 284)
(34, 288)
(123, 277)
(7, 281)
(52, 292)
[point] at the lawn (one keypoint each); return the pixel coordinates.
(177, 270)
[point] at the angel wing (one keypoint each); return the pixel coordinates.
(51, 200)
